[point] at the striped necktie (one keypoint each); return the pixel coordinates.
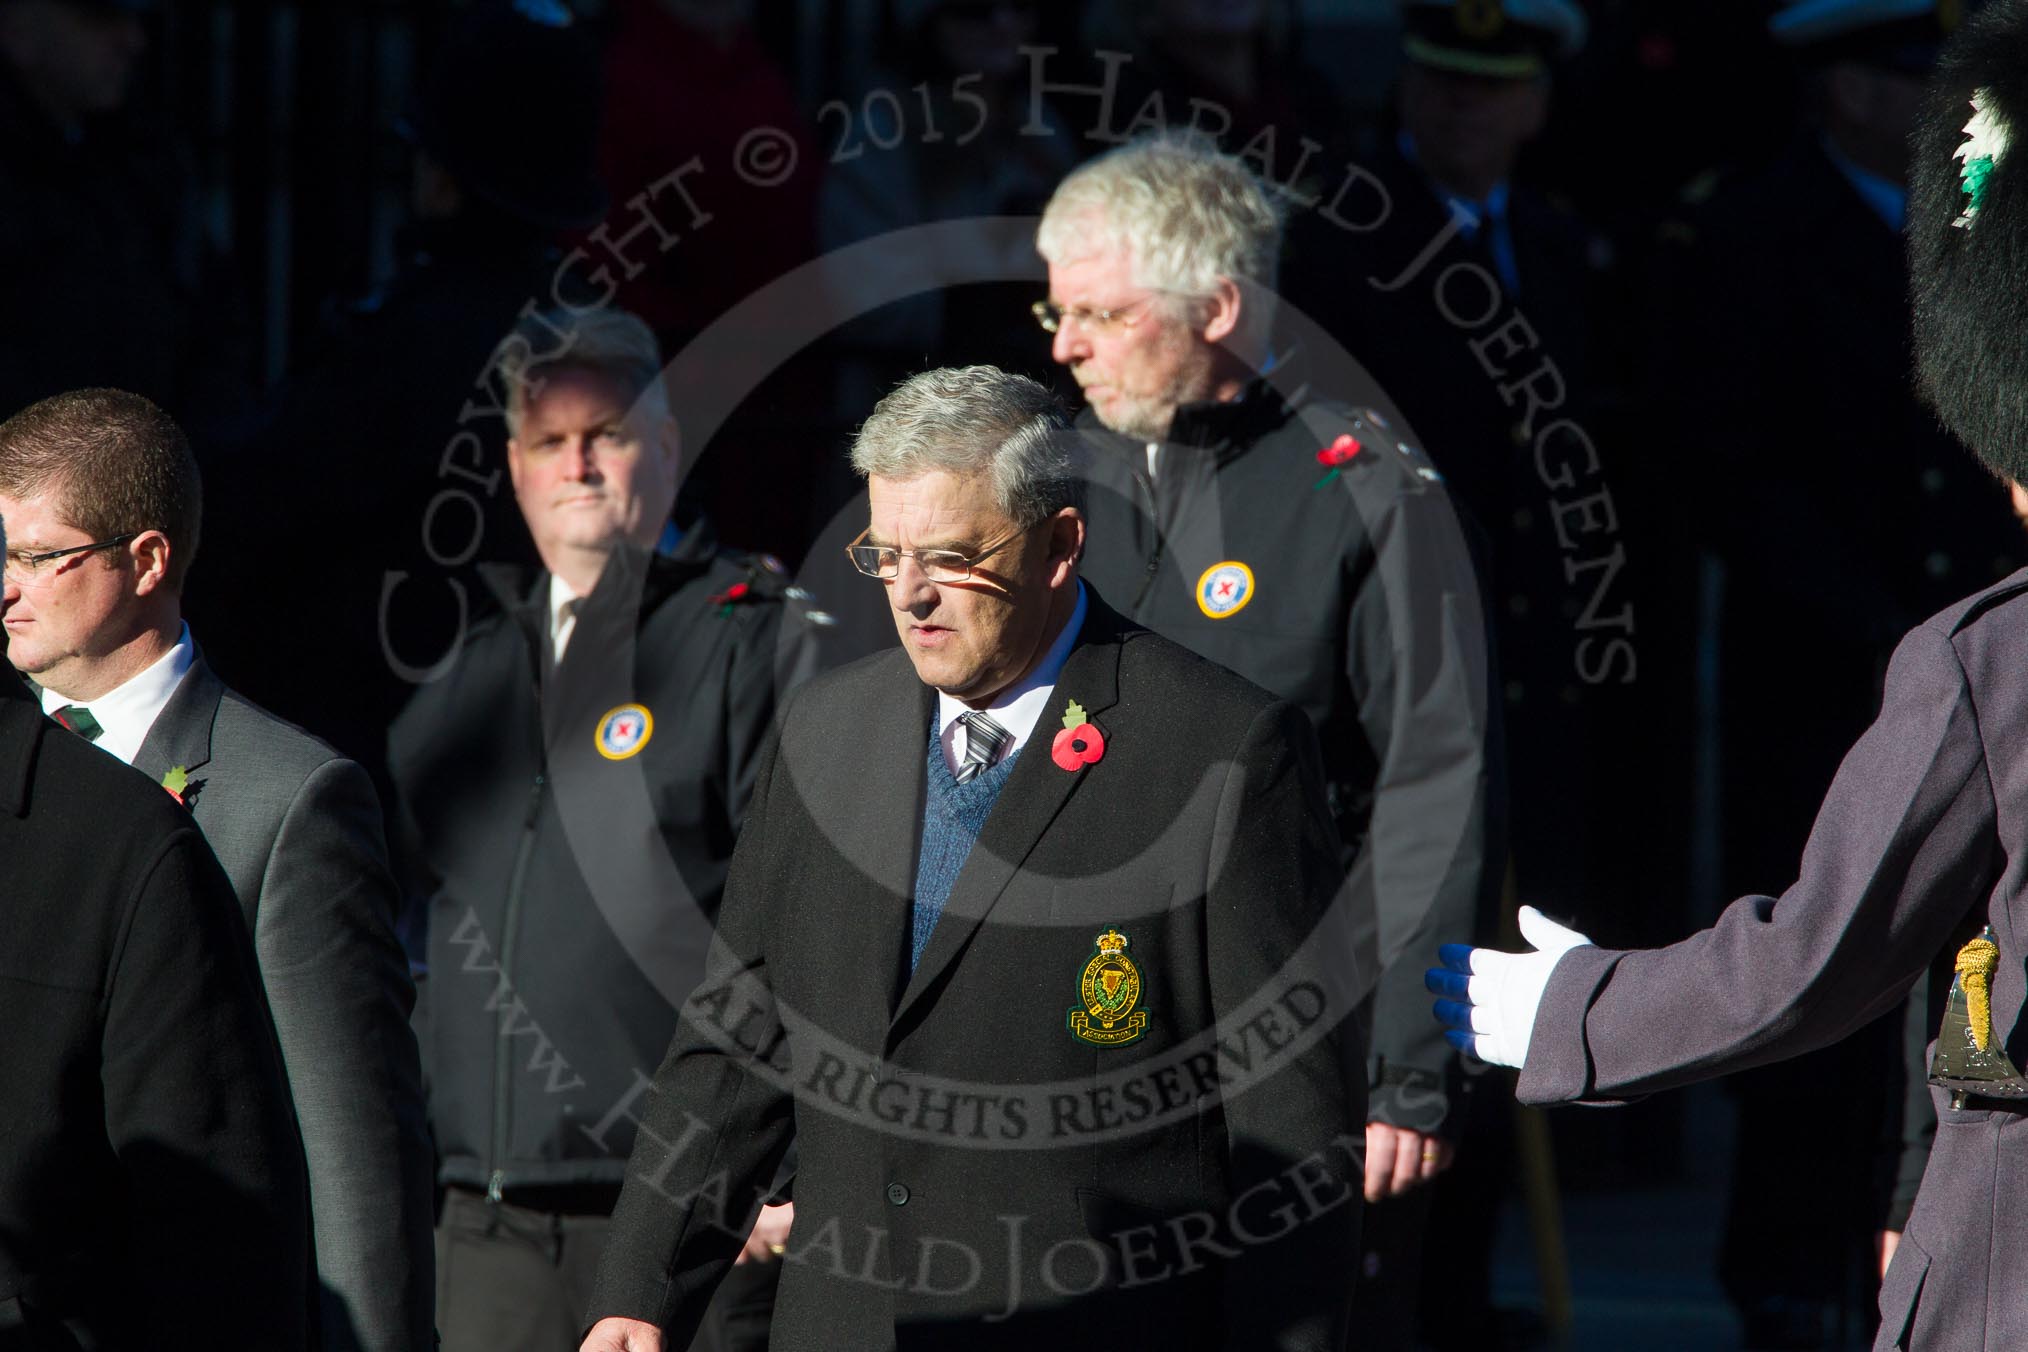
(983, 740)
(79, 720)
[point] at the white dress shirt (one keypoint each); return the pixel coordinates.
(562, 616)
(1020, 706)
(126, 712)
(564, 603)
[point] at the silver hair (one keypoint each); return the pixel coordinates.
(611, 342)
(969, 420)
(1184, 212)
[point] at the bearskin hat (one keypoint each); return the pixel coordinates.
(1968, 237)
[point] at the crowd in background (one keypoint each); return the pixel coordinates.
(1693, 212)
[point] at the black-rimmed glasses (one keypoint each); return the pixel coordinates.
(26, 567)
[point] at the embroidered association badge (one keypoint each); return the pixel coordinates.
(1224, 589)
(1110, 990)
(624, 731)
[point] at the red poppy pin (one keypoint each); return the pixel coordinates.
(1079, 744)
(729, 598)
(1336, 455)
(177, 782)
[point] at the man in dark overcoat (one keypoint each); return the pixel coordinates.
(1034, 946)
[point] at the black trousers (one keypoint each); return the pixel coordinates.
(514, 1279)
(1391, 1235)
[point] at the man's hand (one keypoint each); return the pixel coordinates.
(622, 1335)
(770, 1237)
(1398, 1159)
(1493, 996)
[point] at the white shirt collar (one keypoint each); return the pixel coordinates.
(1019, 707)
(562, 625)
(126, 712)
(562, 615)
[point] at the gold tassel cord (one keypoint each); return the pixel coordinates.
(1977, 961)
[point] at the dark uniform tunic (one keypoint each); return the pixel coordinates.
(1843, 513)
(1349, 591)
(1917, 847)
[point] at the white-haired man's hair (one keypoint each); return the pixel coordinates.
(968, 420)
(612, 342)
(1185, 213)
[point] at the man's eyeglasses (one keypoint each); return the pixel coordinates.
(29, 569)
(938, 565)
(1052, 317)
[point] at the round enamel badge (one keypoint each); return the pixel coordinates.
(1224, 589)
(624, 731)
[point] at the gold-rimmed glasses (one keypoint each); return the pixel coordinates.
(938, 565)
(1093, 320)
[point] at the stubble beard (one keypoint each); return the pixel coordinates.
(1151, 417)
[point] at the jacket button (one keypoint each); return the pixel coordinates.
(897, 1194)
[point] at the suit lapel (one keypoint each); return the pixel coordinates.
(181, 733)
(862, 788)
(21, 728)
(1035, 792)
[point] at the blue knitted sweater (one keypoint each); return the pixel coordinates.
(953, 815)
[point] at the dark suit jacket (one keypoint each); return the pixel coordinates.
(968, 1167)
(298, 829)
(151, 1182)
(1919, 844)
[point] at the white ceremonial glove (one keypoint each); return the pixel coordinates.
(1493, 996)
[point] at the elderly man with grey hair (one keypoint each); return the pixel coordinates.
(1032, 947)
(568, 794)
(1310, 547)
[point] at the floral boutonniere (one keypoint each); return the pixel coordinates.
(1079, 743)
(177, 782)
(730, 597)
(1338, 454)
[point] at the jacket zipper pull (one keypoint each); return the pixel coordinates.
(494, 1185)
